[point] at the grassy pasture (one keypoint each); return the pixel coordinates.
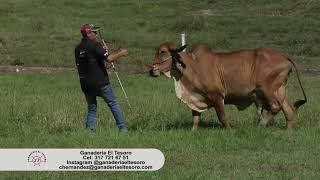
(48, 109)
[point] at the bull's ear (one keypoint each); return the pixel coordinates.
(181, 48)
(176, 57)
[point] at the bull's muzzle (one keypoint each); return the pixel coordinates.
(155, 71)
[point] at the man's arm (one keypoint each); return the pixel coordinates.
(102, 51)
(115, 56)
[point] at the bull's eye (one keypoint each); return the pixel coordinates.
(162, 52)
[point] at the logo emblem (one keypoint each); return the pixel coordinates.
(37, 158)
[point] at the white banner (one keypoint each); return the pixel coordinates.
(81, 159)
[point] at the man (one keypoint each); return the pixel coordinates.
(90, 56)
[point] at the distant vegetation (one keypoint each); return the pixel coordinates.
(44, 32)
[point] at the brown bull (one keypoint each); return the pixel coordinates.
(205, 79)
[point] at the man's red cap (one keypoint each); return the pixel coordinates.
(88, 28)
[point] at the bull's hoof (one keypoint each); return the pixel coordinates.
(262, 125)
(289, 126)
(227, 126)
(194, 128)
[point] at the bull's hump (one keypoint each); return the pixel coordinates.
(193, 100)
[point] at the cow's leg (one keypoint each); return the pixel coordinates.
(259, 105)
(195, 119)
(219, 107)
(267, 116)
(286, 107)
(288, 111)
(274, 102)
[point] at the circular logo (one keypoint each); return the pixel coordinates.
(37, 158)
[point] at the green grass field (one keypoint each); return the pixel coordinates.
(47, 110)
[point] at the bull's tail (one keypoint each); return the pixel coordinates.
(298, 103)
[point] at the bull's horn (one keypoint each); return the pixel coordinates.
(181, 48)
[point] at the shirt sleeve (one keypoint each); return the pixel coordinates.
(100, 51)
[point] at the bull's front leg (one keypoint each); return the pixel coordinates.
(219, 107)
(195, 119)
(259, 107)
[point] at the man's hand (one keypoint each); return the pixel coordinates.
(118, 55)
(105, 47)
(124, 52)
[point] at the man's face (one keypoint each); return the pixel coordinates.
(92, 36)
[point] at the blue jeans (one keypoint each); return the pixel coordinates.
(108, 96)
